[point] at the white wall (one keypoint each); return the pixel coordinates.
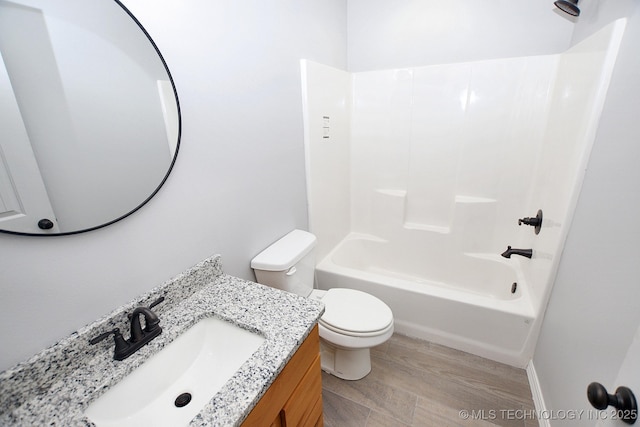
(592, 314)
(238, 183)
(408, 33)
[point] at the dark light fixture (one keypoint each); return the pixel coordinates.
(568, 6)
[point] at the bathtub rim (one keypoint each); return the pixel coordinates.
(522, 305)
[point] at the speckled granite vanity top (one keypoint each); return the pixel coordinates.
(57, 385)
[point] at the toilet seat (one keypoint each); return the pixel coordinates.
(354, 313)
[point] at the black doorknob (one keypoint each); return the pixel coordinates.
(623, 400)
(45, 224)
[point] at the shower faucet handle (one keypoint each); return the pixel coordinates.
(535, 221)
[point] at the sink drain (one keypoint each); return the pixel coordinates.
(183, 400)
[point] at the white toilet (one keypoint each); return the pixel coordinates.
(353, 321)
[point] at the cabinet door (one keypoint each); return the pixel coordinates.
(278, 422)
(277, 397)
(304, 408)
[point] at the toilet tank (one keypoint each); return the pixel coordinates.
(288, 264)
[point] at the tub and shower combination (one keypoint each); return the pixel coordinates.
(416, 178)
(481, 304)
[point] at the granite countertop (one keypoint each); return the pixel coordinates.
(57, 385)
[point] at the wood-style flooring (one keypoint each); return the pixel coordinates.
(417, 383)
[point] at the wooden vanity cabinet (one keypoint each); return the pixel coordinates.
(295, 397)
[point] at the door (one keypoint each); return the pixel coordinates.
(23, 195)
(628, 376)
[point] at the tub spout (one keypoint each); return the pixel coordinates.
(522, 252)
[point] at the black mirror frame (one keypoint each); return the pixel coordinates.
(173, 161)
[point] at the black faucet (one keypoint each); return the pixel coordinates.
(535, 222)
(522, 252)
(151, 322)
(139, 337)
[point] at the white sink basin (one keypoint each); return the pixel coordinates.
(198, 362)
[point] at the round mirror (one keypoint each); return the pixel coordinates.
(89, 116)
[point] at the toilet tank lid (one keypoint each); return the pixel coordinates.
(286, 252)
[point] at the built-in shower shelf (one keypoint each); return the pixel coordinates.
(392, 192)
(426, 227)
(392, 203)
(473, 199)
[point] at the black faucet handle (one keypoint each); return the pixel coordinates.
(534, 221)
(96, 340)
(153, 304)
(156, 302)
(121, 344)
(529, 221)
(152, 319)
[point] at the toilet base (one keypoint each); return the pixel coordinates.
(352, 364)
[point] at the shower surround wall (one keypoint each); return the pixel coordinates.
(447, 152)
(416, 179)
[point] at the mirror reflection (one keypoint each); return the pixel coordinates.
(89, 117)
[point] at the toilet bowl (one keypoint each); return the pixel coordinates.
(353, 321)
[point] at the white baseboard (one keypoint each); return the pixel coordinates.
(536, 393)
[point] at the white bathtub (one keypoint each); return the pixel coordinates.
(468, 302)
